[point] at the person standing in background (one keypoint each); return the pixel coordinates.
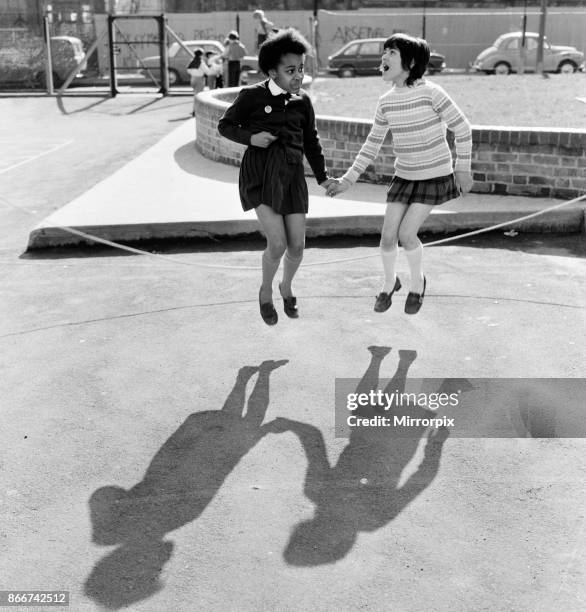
(234, 53)
(197, 70)
(216, 66)
(262, 27)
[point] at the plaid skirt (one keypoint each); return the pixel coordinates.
(432, 191)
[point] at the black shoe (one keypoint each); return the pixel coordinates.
(415, 300)
(290, 305)
(267, 312)
(384, 300)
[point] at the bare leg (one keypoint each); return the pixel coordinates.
(273, 228)
(197, 84)
(295, 231)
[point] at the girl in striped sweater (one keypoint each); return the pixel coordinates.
(416, 112)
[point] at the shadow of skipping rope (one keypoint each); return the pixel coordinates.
(180, 482)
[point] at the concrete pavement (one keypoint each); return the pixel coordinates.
(171, 191)
(163, 449)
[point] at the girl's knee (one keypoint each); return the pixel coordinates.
(409, 240)
(388, 243)
(295, 249)
(276, 248)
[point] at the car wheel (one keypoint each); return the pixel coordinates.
(502, 68)
(347, 72)
(567, 67)
(173, 77)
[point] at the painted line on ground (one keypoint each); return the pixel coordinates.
(30, 159)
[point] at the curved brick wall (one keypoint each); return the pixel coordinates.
(517, 161)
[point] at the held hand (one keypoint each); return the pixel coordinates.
(338, 186)
(262, 140)
(464, 181)
(327, 183)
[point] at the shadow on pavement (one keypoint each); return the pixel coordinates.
(361, 491)
(180, 482)
(197, 165)
(118, 106)
(64, 111)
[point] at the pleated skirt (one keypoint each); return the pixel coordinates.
(273, 177)
(433, 191)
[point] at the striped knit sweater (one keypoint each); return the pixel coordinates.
(417, 118)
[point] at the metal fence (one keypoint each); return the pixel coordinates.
(458, 34)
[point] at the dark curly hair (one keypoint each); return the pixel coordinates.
(414, 55)
(279, 44)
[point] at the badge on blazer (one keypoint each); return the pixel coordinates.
(268, 109)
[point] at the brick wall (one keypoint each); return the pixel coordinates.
(516, 161)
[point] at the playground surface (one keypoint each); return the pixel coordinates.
(166, 450)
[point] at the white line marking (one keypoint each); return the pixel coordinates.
(63, 144)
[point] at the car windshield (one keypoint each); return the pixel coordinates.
(499, 40)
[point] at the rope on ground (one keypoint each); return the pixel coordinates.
(467, 234)
(168, 258)
(123, 247)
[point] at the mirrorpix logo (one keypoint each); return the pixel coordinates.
(379, 400)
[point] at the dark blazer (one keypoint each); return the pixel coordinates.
(255, 110)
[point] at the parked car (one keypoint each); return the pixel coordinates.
(179, 58)
(363, 57)
(504, 56)
(25, 63)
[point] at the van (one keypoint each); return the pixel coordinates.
(22, 64)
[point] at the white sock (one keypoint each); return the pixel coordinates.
(389, 258)
(414, 259)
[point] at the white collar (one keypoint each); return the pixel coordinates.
(275, 89)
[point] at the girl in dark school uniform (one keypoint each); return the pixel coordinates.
(276, 120)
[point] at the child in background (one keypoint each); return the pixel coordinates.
(276, 120)
(416, 112)
(216, 66)
(263, 27)
(197, 70)
(234, 53)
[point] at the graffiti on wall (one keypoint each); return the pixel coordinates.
(344, 34)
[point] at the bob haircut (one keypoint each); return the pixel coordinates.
(414, 55)
(277, 45)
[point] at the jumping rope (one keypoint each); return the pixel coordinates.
(168, 258)
(129, 249)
